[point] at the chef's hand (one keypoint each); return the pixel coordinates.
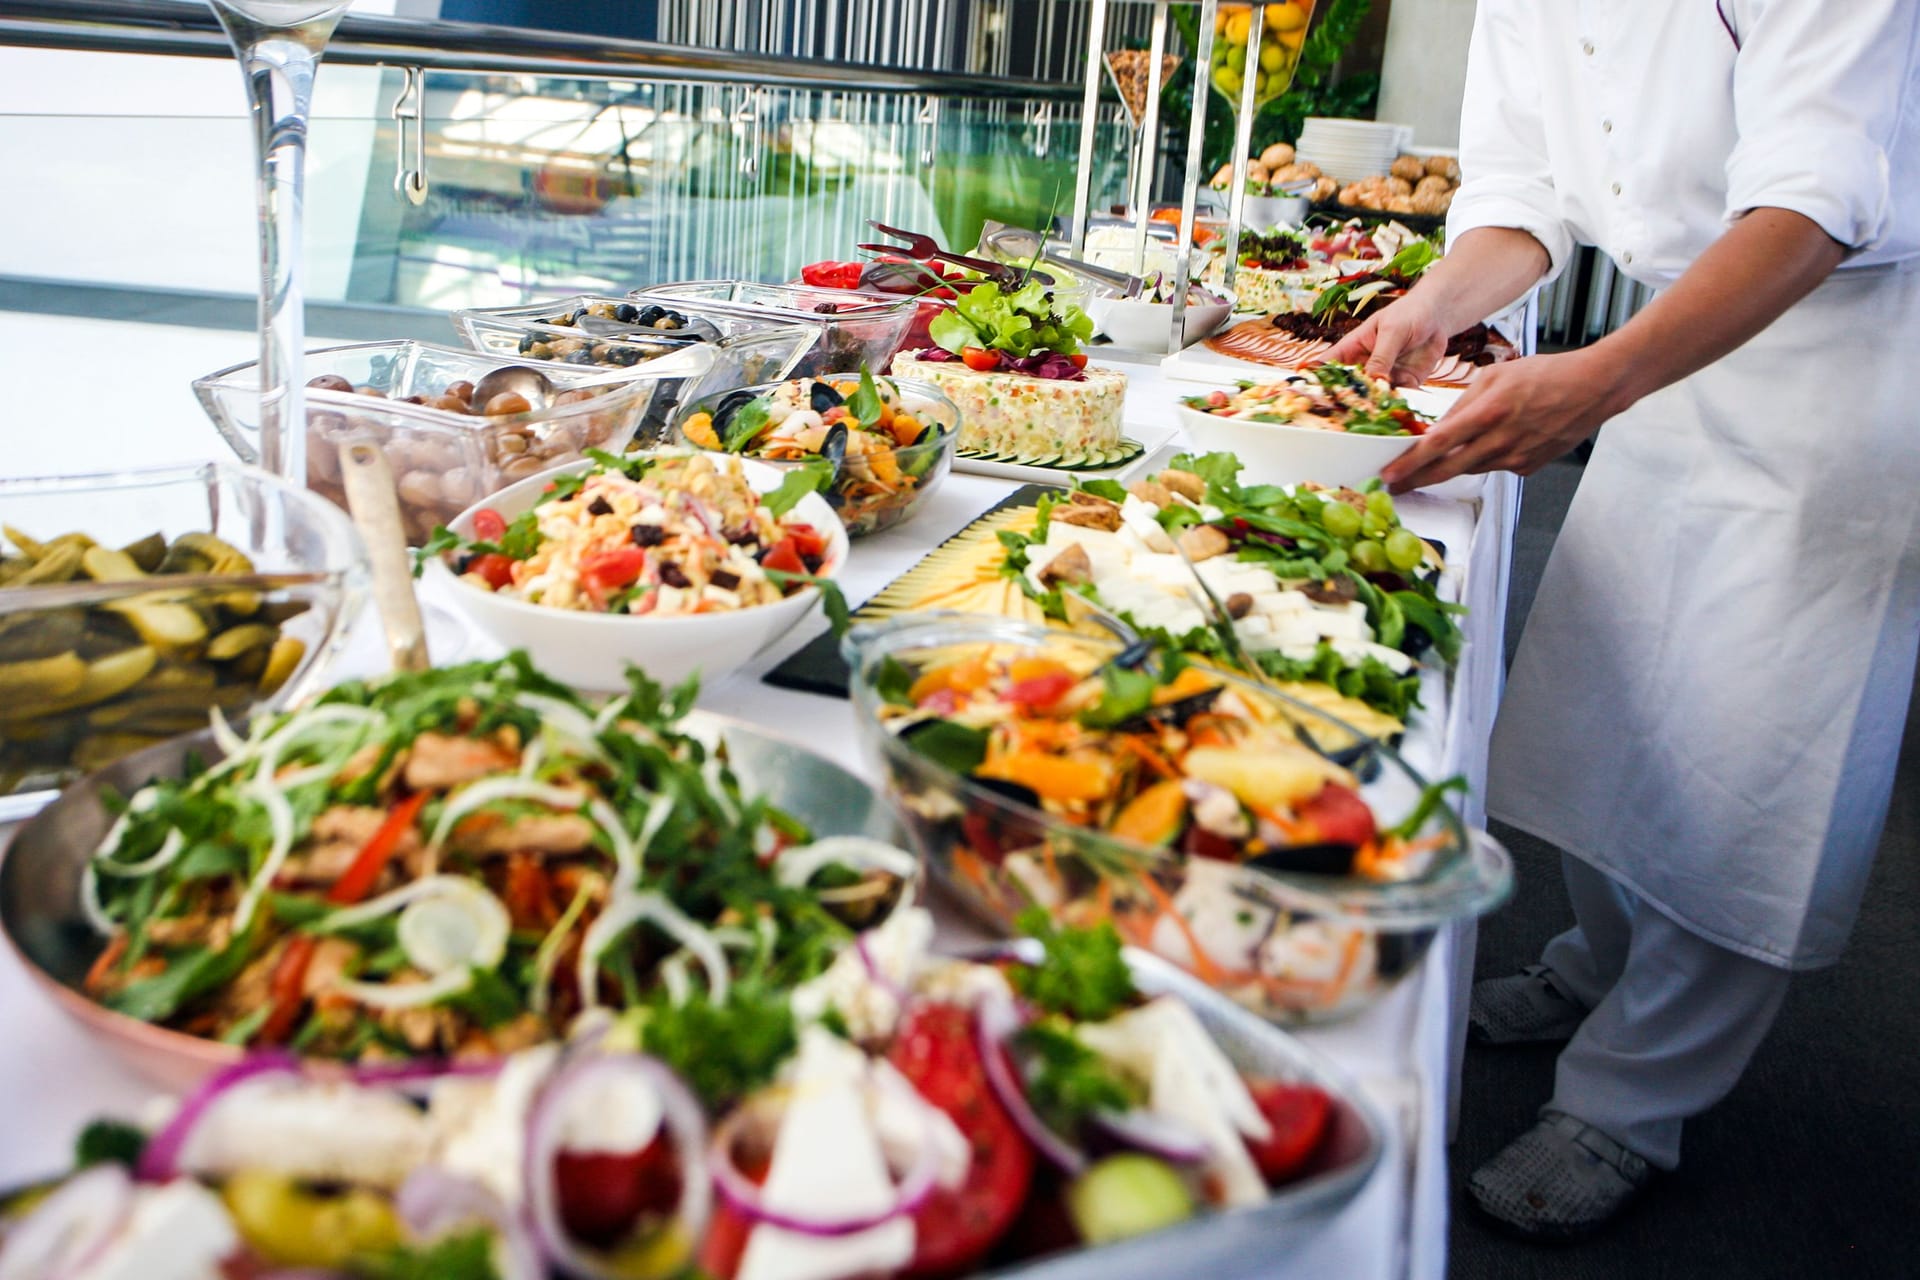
(1515, 417)
(1401, 342)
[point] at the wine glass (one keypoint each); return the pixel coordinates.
(278, 43)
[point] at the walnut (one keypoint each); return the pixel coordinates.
(1150, 491)
(1071, 565)
(1185, 483)
(1203, 542)
(1238, 605)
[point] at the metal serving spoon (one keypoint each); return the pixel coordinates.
(376, 513)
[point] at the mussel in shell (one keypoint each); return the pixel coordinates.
(824, 396)
(731, 403)
(1323, 858)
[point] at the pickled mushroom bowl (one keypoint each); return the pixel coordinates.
(135, 605)
(455, 425)
(852, 329)
(1272, 851)
(889, 441)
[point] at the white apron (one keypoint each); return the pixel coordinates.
(1708, 699)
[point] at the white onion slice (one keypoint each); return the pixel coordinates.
(566, 722)
(686, 1128)
(799, 864)
(407, 995)
(170, 848)
(627, 909)
(280, 814)
(547, 957)
(71, 1228)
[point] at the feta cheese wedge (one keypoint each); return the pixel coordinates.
(179, 1231)
(870, 1006)
(327, 1133)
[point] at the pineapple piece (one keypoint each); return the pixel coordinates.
(1278, 775)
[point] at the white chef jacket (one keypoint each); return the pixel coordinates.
(1645, 126)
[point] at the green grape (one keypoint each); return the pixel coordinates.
(1404, 550)
(1373, 526)
(1369, 556)
(1340, 520)
(1380, 503)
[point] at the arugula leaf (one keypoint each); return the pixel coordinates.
(441, 541)
(1081, 975)
(744, 426)
(865, 404)
(1071, 1082)
(951, 746)
(1126, 692)
(1430, 799)
(192, 973)
(487, 998)
(797, 483)
(833, 601)
(463, 1255)
(1432, 619)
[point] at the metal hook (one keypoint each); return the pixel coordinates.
(929, 121)
(1043, 127)
(411, 105)
(748, 113)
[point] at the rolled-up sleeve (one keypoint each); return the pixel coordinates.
(1506, 177)
(1819, 91)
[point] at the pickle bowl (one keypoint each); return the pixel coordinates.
(1292, 940)
(133, 604)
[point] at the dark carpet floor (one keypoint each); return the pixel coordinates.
(1812, 1167)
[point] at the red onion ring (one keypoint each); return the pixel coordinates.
(400, 1075)
(433, 1202)
(994, 1023)
(910, 1195)
(875, 972)
(1154, 1134)
(686, 1125)
(98, 1200)
(160, 1159)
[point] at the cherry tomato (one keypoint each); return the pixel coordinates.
(980, 360)
(784, 557)
(1037, 692)
(807, 540)
(1411, 421)
(1339, 815)
(1079, 359)
(618, 567)
(1299, 1115)
(1202, 843)
(937, 1053)
(603, 1194)
(488, 525)
(495, 569)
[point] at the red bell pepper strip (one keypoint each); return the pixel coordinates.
(364, 872)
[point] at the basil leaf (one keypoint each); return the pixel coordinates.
(744, 426)
(865, 404)
(950, 745)
(797, 483)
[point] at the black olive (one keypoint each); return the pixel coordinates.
(583, 356)
(672, 576)
(725, 579)
(1328, 858)
(813, 563)
(826, 308)
(570, 319)
(648, 314)
(647, 535)
(526, 343)
(625, 357)
(599, 507)
(463, 563)
(1184, 709)
(823, 396)
(626, 313)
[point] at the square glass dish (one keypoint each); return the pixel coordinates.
(594, 330)
(426, 406)
(134, 603)
(854, 329)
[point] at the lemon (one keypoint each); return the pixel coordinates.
(1238, 27)
(1271, 57)
(1287, 17)
(1294, 39)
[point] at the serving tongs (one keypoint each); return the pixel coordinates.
(375, 506)
(1019, 242)
(926, 249)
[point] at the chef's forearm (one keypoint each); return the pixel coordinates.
(1484, 272)
(1761, 266)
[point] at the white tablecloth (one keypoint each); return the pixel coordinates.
(1404, 1051)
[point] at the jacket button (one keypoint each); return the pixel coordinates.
(1586, 47)
(1615, 188)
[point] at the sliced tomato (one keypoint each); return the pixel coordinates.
(614, 568)
(980, 360)
(937, 1053)
(1412, 421)
(832, 275)
(1339, 815)
(726, 1242)
(494, 569)
(784, 557)
(807, 540)
(1299, 1115)
(1037, 692)
(488, 525)
(284, 989)
(603, 1195)
(1079, 359)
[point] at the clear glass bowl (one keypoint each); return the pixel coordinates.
(871, 491)
(95, 669)
(746, 348)
(1292, 946)
(445, 461)
(854, 329)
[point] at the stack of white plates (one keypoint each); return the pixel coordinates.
(1349, 150)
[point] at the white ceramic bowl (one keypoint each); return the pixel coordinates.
(1273, 453)
(1148, 326)
(591, 651)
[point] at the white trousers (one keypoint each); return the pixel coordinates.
(1673, 1021)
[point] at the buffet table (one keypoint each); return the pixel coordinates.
(1403, 1052)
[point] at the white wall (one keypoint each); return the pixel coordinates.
(1424, 75)
(139, 170)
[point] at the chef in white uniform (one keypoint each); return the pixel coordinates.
(1706, 708)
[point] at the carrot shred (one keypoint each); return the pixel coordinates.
(1203, 964)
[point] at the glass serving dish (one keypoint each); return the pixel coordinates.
(1294, 945)
(445, 459)
(876, 485)
(113, 642)
(854, 328)
(597, 330)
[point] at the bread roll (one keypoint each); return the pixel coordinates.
(1445, 166)
(1410, 168)
(1432, 182)
(1222, 176)
(1277, 156)
(1324, 189)
(1432, 202)
(1399, 186)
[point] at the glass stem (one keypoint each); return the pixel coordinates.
(279, 64)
